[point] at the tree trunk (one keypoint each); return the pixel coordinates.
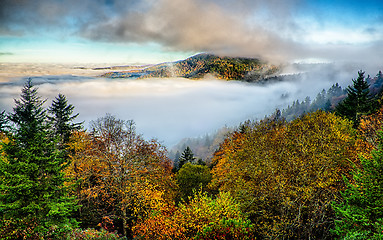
(124, 227)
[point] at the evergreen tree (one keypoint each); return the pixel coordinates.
(358, 101)
(3, 121)
(62, 119)
(33, 198)
(176, 162)
(187, 156)
(320, 101)
(335, 91)
(361, 212)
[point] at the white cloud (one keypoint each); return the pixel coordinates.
(174, 108)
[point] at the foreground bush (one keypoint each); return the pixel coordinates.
(79, 234)
(202, 218)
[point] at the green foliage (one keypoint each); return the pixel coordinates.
(361, 210)
(191, 177)
(203, 217)
(62, 118)
(207, 218)
(358, 101)
(32, 193)
(187, 156)
(3, 121)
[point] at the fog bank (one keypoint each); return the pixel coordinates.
(174, 108)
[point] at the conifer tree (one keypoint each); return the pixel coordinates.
(361, 212)
(62, 118)
(358, 101)
(186, 156)
(3, 121)
(176, 162)
(33, 198)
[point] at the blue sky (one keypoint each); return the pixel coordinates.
(151, 31)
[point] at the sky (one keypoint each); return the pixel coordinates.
(153, 31)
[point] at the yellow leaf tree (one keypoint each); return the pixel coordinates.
(285, 175)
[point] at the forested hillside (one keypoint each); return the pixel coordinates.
(316, 176)
(195, 67)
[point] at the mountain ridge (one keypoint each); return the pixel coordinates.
(200, 65)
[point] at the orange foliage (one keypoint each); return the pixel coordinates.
(121, 175)
(370, 125)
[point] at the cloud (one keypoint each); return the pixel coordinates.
(225, 27)
(270, 29)
(194, 25)
(174, 108)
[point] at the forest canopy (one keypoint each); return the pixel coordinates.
(314, 176)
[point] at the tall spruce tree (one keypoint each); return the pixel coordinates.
(358, 101)
(62, 118)
(186, 156)
(3, 121)
(33, 198)
(361, 211)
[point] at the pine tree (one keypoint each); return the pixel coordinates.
(176, 162)
(62, 119)
(361, 212)
(33, 198)
(3, 121)
(358, 101)
(186, 156)
(335, 91)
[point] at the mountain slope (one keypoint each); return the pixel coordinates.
(195, 67)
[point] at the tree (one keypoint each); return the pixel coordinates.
(285, 175)
(176, 162)
(62, 118)
(370, 125)
(33, 197)
(358, 101)
(191, 177)
(186, 156)
(3, 121)
(120, 175)
(360, 211)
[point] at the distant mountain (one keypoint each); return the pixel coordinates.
(195, 67)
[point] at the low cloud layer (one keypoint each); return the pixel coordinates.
(174, 108)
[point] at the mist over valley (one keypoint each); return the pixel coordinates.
(173, 108)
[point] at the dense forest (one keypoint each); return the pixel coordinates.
(311, 172)
(195, 67)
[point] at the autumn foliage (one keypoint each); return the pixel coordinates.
(285, 175)
(315, 177)
(118, 174)
(203, 217)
